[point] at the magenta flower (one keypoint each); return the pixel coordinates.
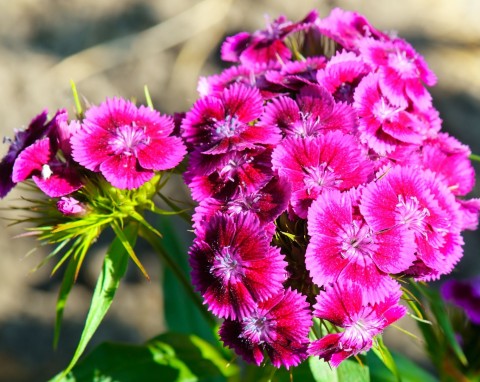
(219, 124)
(402, 71)
(330, 161)
(217, 83)
(224, 176)
(278, 326)
(466, 295)
(234, 266)
(53, 177)
(349, 28)
(314, 112)
(449, 159)
(127, 144)
(469, 213)
(418, 200)
(265, 47)
(342, 74)
(267, 204)
(294, 75)
(344, 249)
(342, 305)
(37, 129)
(383, 125)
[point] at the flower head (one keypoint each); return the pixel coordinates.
(127, 144)
(342, 305)
(234, 266)
(278, 326)
(37, 129)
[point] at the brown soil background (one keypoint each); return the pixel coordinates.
(114, 48)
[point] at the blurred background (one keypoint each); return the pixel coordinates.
(114, 48)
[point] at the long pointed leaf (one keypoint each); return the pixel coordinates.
(114, 268)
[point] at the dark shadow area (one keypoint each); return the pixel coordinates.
(26, 351)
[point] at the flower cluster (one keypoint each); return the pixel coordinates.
(95, 171)
(323, 179)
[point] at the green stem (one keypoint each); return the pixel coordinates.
(475, 157)
(157, 246)
(185, 216)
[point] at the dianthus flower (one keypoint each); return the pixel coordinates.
(224, 122)
(382, 124)
(278, 326)
(344, 249)
(54, 177)
(419, 201)
(234, 266)
(267, 204)
(330, 161)
(402, 71)
(37, 129)
(264, 47)
(348, 28)
(314, 112)
(342, 306)
(224, 176)
(342, 74)
(127, 144)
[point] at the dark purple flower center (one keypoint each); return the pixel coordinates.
(127, 138)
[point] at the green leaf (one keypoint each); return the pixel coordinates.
(65, 288)
(114, 267)
(439, 311)
(384, 355)
(349, 370)
(170, 357)
(409, 371)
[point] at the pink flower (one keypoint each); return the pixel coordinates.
(343, 248)
(330, 161)
(221, 123)
(54, 177)
(342, 74)
(234, 266)
(418, 200)
(127, 144)
(449, 159)
(265, 47)
(349, 29)
(37, 129)
(224, 176)
(314, 112)
(342, 306)
(402, 71)
(278, 326)
(267, 204)
(383, 125)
